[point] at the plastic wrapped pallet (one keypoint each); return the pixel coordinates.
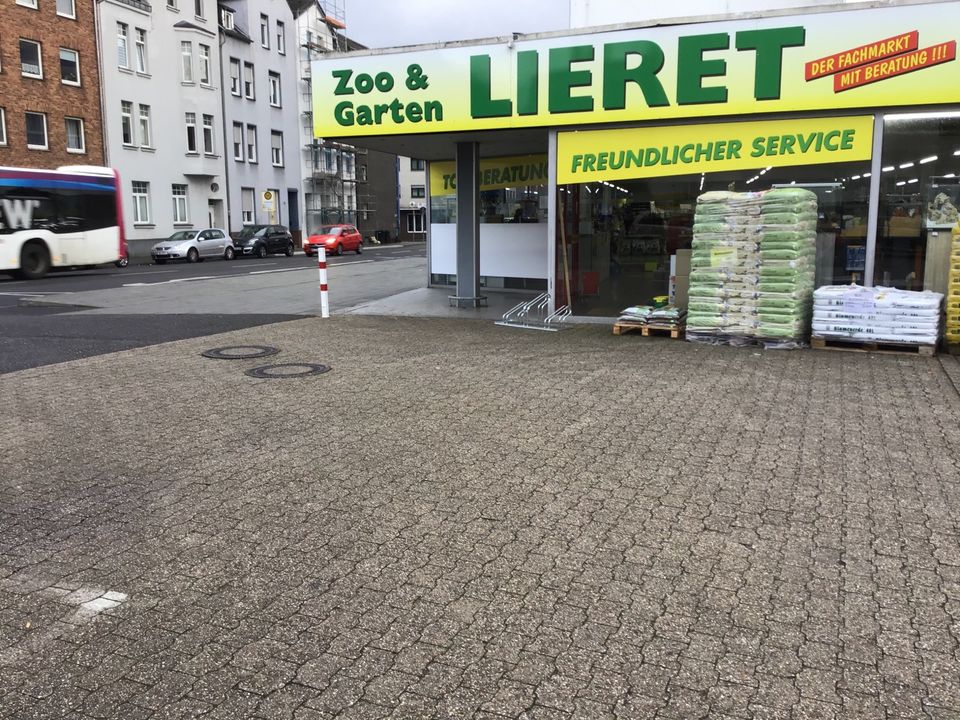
(952, 331)
(787, 265)
(879, 314)
(724, 267)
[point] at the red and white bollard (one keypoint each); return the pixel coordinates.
(322, 265)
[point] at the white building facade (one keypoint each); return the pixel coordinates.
(258, 56)
(412, 191)
(162, 114)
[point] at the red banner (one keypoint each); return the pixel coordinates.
(892, 67)
(862, 55)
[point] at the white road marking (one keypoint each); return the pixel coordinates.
(175, 280)
(266, 272)
(330, 266)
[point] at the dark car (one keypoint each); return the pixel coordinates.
(262, 240)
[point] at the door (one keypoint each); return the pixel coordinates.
(206, 243)
(218, 242)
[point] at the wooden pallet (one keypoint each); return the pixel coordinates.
(622, 327)
(674, 331)
(862, 346)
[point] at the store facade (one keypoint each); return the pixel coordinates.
(584, 154)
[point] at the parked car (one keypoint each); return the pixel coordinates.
(262, 240)
(335, 239)
(194, 246)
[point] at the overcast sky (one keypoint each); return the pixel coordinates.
(384, 23)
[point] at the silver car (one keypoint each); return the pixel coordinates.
(193, 246)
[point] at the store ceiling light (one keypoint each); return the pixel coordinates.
(956, 153)
(901, 183)
(921, 116)
(866, 175)
(913, 180)
(888, 168)
(950, 175)
(905, 165)
(926, 160)
(854, 177)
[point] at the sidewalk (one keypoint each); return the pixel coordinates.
(463, 520)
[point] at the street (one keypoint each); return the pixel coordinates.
(77, 314)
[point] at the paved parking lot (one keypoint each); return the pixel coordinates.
(462, 520)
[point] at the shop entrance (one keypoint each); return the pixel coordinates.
(619, 243)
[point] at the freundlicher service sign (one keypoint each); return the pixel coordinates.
(877, 57)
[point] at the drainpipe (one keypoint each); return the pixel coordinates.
(227, 139)
(103, 102)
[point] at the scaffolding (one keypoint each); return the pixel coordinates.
(335, 185)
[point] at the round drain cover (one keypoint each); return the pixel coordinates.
(240, 352)
(285, 370)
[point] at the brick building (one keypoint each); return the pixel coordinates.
(49, 84)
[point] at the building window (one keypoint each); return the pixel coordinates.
(192, 133)
(204, 64)
(226, 19)
(28, 3)
(36, 131)
(247, 206)
(76, 143)
(276, 148)
(31, 63)
(3, 127)
(123, 58)
(248, 89)
(145, 130)
(235, 76)
(251, 143)
(141, 202)
(208, 146)
(274, 80)
(186, 61)
(265, 31)
(238, 142)
(141, 50)
(418, 191)
(415, 222)
(179, 193)
(198, 9)
(69, 67)
(126, 122)
(417, 164)
(172, 5)
(66, 8)
(281, 38)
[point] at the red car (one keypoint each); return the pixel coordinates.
(336, 239)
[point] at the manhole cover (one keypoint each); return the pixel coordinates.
(240, 352)
(285, 370)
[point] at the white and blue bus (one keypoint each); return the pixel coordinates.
(69, 217)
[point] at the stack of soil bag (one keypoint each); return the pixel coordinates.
(724, 267)
(787, 264)
(878, 314)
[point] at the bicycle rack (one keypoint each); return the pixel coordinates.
(533, 315)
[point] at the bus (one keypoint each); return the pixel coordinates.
(68, 217)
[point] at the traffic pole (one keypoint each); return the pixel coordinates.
(322, 265)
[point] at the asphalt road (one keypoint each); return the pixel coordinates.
(36, 336)
(105, 278)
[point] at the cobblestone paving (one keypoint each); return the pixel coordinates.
(466, 521)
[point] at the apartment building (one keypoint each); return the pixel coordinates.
(163, 113)
(412, 192)
(259, 60)
(49, 84)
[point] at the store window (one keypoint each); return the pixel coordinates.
(527, 204)
(919, 200)
(618, 237)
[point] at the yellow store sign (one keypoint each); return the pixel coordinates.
(898, 55)
(685, 149)
(495, 173)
